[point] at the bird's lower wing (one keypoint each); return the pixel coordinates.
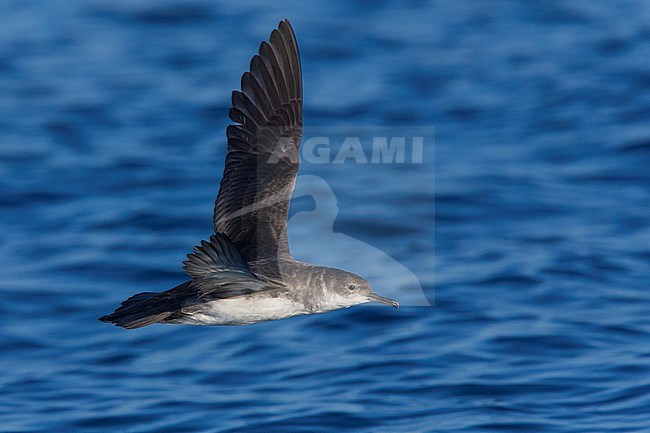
(218, 271)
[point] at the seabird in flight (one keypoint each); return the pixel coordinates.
(245, 273)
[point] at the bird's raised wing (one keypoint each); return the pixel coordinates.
(263, 155)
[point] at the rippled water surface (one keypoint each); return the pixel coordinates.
(527, 228)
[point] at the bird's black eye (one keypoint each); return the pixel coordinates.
(351, 287)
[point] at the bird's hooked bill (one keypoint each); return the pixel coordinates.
(375, 297)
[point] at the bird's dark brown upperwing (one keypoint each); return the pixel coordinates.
(263, 155)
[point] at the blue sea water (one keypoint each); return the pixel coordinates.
(526, 227)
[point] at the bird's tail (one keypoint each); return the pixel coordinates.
(135, 313)
(144, 309)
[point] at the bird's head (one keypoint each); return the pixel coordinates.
(347, 289)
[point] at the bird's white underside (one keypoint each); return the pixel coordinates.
(242, 310)
(246, 310)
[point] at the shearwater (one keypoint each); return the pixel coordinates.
(245, 273)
